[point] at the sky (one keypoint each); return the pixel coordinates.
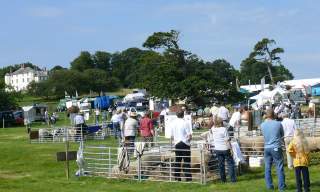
(49, 33)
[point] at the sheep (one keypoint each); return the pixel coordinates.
(44, 134)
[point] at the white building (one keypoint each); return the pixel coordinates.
(21, 78)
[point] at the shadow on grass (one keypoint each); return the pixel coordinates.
(315, 184)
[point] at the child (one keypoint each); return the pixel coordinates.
(299, 150)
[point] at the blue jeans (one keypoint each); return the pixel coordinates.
(116, 130)
(222, 156)
(274, 155)
(305, 175)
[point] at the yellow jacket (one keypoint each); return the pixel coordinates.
(299, 159)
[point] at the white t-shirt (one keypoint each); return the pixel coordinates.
(117, 118)
(180, 130)
(78, 119)
(223, 113)
(130, 127)
(236, 117)
(220, 138)
(163, 112)
(214, 110)
(289, 127)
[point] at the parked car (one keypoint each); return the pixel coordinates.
(18, 115)
(7, 118)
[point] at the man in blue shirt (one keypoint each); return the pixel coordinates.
(273, 139)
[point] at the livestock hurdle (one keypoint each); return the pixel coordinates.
(72, 134)
(310, 126)
(156, 163)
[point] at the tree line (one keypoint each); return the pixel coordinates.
(165, 70)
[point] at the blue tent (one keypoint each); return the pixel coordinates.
(315, 90)
(104, 102)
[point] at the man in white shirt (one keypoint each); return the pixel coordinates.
(289, 127)
(117, 121)
(235, 121)
(162, 116)
(214, 111)
(97, 113)
(223, 113)
(80, 124)
(181, 135)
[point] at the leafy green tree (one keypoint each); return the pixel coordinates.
(264, 51)
(57, 67)
(98, 80)
(102, 60)
(82, 62)
(9, 100)
(253, 70)
(124, 65)
(177, 74)
(169, 41)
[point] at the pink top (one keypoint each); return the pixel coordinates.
(146, 127)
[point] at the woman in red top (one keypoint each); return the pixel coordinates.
(146, 128)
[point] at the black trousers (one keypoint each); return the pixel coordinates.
(183, 153)
(304, 172)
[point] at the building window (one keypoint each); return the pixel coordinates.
(17, 81)
(28, 80)
(22, 80)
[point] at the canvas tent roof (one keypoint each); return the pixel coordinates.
(253, 88)
(301, 83)
(268, 96)
(133, 96)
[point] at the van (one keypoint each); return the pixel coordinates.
(7, 118)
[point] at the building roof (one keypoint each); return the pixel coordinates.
(24, 70)
(301, 83)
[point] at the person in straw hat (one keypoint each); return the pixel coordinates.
(130, 129)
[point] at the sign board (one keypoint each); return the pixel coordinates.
(34, 134)
(61, 156)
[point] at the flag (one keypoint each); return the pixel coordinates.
(237, 84)
(263, 82)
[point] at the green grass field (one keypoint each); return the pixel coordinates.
(33, 167)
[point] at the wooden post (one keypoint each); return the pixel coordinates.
(67, 158)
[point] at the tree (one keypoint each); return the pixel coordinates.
(82, 62)
(102, 60)
(253, 71)
(264, 52)
(57, 67)
(170, 42)
(98, 80)
(178, 74)
(125, 64)
(282, 73)
(9, 100)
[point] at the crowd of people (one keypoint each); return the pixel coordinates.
(278, 129)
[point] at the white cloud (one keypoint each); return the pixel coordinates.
(45, 11)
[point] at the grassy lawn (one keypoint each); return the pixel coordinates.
(33, 167)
